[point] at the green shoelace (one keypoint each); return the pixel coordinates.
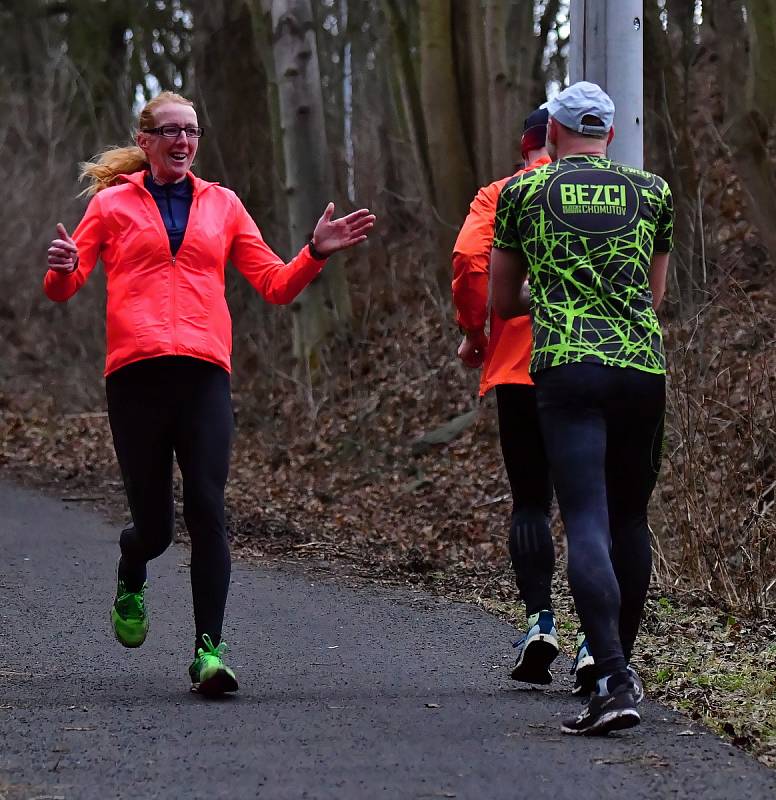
(210, 649)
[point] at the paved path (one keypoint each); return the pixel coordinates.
(347, 693)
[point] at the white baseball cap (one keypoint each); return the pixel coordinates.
(580, 100)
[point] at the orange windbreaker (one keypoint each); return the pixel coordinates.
(160, 304)
(509, 344)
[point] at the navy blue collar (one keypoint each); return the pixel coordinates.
(179, 191)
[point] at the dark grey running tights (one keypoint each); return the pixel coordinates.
(603, 432)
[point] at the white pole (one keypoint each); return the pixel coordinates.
(607, 48)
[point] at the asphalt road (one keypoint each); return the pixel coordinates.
(346, 692)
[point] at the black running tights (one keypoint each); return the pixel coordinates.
(530, 541)
(603, 431)
(178, 405)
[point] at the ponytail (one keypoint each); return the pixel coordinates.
(104, 171)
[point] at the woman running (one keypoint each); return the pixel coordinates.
(164, 237)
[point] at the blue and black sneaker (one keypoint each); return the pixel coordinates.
(584, 672)
(537, 649)
(583, 668)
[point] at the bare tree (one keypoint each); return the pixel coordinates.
(326, 301)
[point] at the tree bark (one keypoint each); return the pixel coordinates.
(501, 124)
(308, 177)
(527, 87)
(750, 105)
(407, 94)
(451, 170)
(231, 97)
(667, 80)
(472, 79)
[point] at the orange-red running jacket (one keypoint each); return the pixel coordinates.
(160, 304)
(509, 344)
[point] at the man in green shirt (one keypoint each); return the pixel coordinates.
(593, 236)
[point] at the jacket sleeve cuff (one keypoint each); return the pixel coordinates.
(59, 287)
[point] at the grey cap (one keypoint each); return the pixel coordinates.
(580, 100)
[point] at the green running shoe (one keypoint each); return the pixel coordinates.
(129, 616)
(209, 675)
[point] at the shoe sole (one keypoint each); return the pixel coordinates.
(535, 660)
(584, 680)
(607, 723)
(220, 683)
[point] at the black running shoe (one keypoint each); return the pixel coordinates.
(536, 650)
(605, 713)
(583, 668)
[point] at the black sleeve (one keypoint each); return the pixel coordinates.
(506, 235)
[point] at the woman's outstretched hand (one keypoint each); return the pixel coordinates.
(63, 252)
(331, 235)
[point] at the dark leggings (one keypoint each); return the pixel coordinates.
(603, 430)
(178, 405)
(530, 540)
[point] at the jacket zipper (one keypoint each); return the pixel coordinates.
(173, 281)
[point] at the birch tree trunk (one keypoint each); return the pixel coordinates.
(308, 176)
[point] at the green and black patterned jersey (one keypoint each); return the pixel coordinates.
(587, 228)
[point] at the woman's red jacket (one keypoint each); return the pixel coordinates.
(160, 304)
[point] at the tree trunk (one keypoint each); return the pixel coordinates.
(408, 96)
(231, 97)
(667, 82)
(103, 70)
(501, 124)
(308, 177)
(472, 78)
(452, 174)
(526, 91)
(750, 105)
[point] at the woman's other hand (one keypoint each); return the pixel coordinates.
(63, 252)
(331, 235)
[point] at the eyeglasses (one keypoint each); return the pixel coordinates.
(174, 131)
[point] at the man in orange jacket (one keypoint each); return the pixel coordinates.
(504, 356)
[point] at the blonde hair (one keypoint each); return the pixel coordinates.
(104, 170)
